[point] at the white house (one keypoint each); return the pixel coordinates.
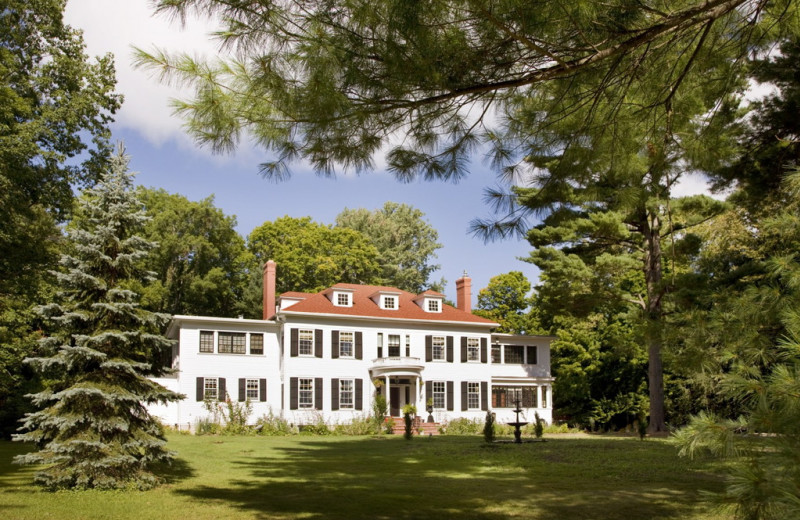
(326, 355)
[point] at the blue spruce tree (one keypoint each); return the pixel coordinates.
(93, 429)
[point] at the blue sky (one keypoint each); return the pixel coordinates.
(165, 156)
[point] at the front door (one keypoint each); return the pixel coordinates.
(394, 401)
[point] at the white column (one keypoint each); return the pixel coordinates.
(538, 396)
(388, 394)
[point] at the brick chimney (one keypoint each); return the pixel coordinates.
(464, 293)
(269, 290)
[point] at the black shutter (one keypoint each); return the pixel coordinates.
(483, 350)
(428, 392)
(359, 394)
(222, 396)
(318, 343)
(464, 400)
(359, 345)
(262, 390)
(450, 396)
(334, 344)
(318, 393)
(463, 350)
(293, 343)
(334, 394)
(532, 355)
(242, 389)
(428, 348)
(200, 388)
(484, 395)
(293, 393)
(450, 349)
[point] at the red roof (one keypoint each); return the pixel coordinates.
(364, 305)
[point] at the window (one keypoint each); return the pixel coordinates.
(305, 394)
(531, 352)
(544, 396)
(438, 347)
(433, 305)
(251, 389)
(495, 353)
(394, 345)
(305, 342)
(380, 344)
(408, 345)
(345, 344)
(206, 341)
(346, 394)
(210, 388)
(507, 396)
(256, 343)
(390, 302)
(514, 354)
(473, 395)
(343, 299)
(231, 343)
(473, 349)
(439, 395)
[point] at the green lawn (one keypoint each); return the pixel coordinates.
(388, 477)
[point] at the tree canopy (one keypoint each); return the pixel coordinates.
(507, 300)
(406, 244)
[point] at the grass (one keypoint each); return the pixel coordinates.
(387, 477)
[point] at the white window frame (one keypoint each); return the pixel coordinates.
(441, 343)
(343, 299)
(305, 342)
(254, 335)
(238, 340)
(347, 390)
(473, 395)
(342, 340)
(305, 393)
(393, 340)
(207, 334)
(434, 305)
(252, 389)
(439, 391)
(389, 302)
(474, 350)
(210, 384)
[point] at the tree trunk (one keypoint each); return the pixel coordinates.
(653, 317)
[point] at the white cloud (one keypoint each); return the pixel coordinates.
(116, 26)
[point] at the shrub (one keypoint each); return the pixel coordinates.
(318, 427)
(538, 428)
(358, 426)
(274, 426)
(409, 412)
(488, 427)
(462, 426)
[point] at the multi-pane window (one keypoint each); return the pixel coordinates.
(256, 343)
(380, 344)
(343, 299)
(346, 394)
(210, 388)
(437, 342)
(514, 354)
(305, 342)
(433, 305)
(345, 344)
(473, 349)
(389, 302)
(439, 394)
(408, 345)
(544, 396)
(394, 345)
(206, 341)
(495, 353)
(507, 396)
(531, 353)
(251, 389)
(305, 393)
(473, 395)
(231, 343)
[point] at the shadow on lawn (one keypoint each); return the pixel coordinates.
(447, 478)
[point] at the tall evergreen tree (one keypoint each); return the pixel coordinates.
(93, 429)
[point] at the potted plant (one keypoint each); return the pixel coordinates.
(429, 408)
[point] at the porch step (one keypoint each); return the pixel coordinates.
(399, 427)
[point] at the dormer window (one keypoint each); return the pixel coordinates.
(433, 306)
(343, 299)
(389, 302)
